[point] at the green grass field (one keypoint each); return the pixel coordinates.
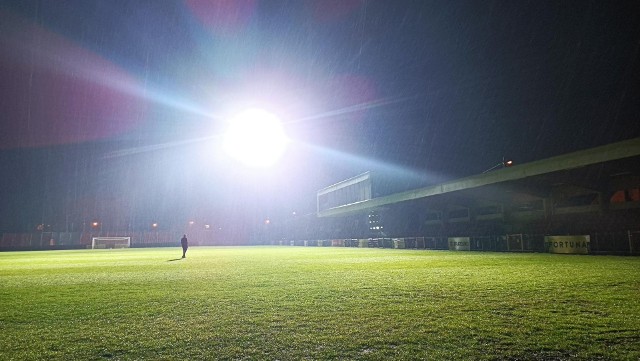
(307, 303)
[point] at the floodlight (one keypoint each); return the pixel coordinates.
(256, 138)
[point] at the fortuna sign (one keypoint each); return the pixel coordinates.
(568, 244)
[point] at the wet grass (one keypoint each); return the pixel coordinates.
(296, 303)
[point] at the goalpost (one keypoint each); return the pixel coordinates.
(110, 242)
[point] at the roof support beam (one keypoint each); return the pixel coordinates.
(602, 154)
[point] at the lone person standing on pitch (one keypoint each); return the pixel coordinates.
(185, 245)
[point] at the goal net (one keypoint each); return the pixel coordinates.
(110, 242)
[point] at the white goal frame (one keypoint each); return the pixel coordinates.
(113, 242)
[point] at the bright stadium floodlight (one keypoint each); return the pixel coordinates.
(256, 138)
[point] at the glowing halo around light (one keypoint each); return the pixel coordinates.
(256, 138)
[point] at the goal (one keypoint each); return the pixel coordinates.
(110, 242)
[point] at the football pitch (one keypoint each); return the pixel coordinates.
(313, 303)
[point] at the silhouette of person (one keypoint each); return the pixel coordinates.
(185, 245)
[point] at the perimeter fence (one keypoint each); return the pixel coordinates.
(618, 243)
(80, 240)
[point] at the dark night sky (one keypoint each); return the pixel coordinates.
(118, 104)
